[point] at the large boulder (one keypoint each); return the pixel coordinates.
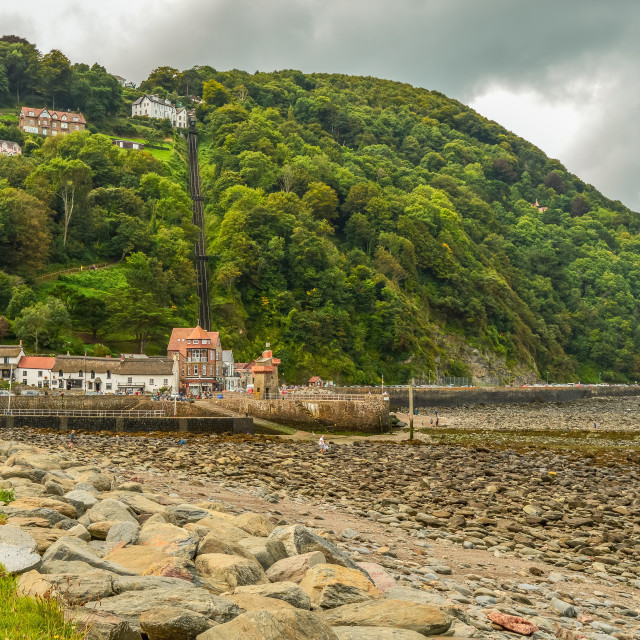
(110, 510)
(53, 518)
(152, 562)
(375, 633)
(186, 513)
(224, 529)
(64, 508)
(125, 532)
(286, 624)
(287, 591)
(225, 573)
(169, 539)
(132, 604)
(330, 585)
(18, 550)
(70, 549)
(94, 477)
(138, 502)
(298, 539)
(254, 524)
(217, 542)
(252, 602)
(122, 584)
(265, 550)
(170, 623)
(81, 500)
(424, 619)
(379, 575)
(293, 569)
(74, 589)
(100, 625)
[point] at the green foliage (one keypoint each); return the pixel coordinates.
(7, 495)
(42, 323)
(33, 617)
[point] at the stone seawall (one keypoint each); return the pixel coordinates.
(97, 403)
(370, 415)
(195, 425)
(444, 397)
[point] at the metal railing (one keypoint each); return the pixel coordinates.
(304, 397)
(87, 413)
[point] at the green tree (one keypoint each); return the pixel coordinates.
(55, 73)
(42, 322)
(68, 180)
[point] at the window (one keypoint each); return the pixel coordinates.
(79, 374)
(108, 375)
(93, 375)
(60, 373)
(75, 119)
(31, 113)
(6, 360)
(129, 380)
(182, 369)
(39, 384)
(151, 381)
(108, 386)
(195, 369)
(64, 117)
(188, 341)
(54, 124)
(196, 342)
(39, 374)
(166, 382)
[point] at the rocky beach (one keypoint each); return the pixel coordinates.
(465, 533)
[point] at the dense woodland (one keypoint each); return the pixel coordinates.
(361, 226)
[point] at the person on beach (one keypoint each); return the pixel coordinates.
(324, 447)
(437, 421)
(72, 437)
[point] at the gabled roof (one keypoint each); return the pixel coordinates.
(315, 379)
(180, 335)
(73, 364)
(36, 362)
(198, 334)
(10, 350)
(146, 366)
(53, 114)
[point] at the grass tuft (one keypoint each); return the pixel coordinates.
(32, 618)
(7, 495)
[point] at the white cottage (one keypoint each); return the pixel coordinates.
(10, 355)
(155, 107)
(36, 371)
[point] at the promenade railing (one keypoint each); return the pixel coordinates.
(86, 413)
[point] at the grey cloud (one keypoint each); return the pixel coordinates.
(459, 47)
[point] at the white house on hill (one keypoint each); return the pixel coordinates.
(155, 107)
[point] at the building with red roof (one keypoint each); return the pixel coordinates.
(199, 355)
(36, 371)
(48, 122)
(265, 374)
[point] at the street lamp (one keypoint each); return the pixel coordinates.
(382, 376)
(429, 377)
(547, 378)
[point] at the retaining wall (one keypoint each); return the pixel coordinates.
(207, 425)
(110, 402)
(443, 397)
(371, 415)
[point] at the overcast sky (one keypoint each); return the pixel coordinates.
(563, 74)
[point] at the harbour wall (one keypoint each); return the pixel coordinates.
(371, 414)
(192, 425)
(445, 397)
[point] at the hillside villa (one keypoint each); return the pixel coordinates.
(155, 107)
(8, 148)
(48, 122)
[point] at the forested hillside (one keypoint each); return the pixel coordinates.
(361, 226)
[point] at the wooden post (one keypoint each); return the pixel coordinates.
(411, 409)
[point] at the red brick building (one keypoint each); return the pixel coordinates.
(199, 354)
(50, 123)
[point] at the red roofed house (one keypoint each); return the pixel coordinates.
(315, 381)
(36, 371)
(50, 123)
(199, 355)
(265, 374)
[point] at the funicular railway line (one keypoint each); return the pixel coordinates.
(202, 272)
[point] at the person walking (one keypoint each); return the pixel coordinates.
(72, 437)
(324, 447)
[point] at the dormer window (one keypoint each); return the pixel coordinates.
(79, 374)
(55, 116)
(64, 117)
(32, 113)
(75, 119)
(196, 341)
